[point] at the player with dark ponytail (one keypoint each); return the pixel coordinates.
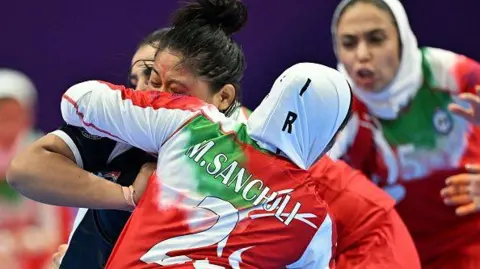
(224, 194)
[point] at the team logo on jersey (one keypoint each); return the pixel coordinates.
(90, 136)
(442, 121)
(112, 176)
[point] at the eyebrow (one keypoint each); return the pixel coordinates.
(369, 32)
(376, 31)
(142, 60)
(170, 80)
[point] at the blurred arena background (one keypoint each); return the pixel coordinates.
(58, 43)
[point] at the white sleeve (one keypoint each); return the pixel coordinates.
(318, 254)
(71, 145)
(142, 119)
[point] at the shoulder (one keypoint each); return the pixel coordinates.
(91, 152)
(450, 70)
(356, 204)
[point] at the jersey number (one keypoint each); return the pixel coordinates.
(218, 233)
(409, 168)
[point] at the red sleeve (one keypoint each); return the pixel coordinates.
(370, 232)
(467, 72)
(389, 246)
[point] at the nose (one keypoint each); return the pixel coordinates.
(142, 85)
(363, 52)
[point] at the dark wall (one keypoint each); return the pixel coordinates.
(58, 43)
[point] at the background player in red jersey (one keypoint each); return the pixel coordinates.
(370, 233)
(29, 231)
(402, 134)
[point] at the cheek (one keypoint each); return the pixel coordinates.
(388, 61)
(142, 84)
(347, 59)
(391, 65)
(211, 99)
(202, 93)
(13, 121)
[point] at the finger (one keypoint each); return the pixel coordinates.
(454, 190)
(465, 113)
(466, 209)
(456, 200)
(473, 99)
(461, 179)
(56, 260)
(477, 89)
(474, 188)
(63, 248)
(472, 168)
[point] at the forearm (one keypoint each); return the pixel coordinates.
(52, 178)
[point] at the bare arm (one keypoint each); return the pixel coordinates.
(46, 172)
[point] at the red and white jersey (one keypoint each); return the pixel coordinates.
(370, 232)
(411, 156)
(218, 199)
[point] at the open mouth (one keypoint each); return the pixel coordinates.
(364, 73)
(365, 78)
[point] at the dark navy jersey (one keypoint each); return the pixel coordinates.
(95, 231)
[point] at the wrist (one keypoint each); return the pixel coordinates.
(129, 197)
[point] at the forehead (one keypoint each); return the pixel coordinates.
(168, 62)
(364, 17)
(146, 52)
(9, 104)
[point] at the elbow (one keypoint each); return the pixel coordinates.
(17, 173)
(76, 98)
(24, 168)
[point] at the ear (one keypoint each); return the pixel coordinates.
(225, 97)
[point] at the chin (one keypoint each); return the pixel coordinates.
(367, 88)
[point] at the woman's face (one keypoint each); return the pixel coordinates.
(141, 67)
(14, 118)
(368, 46)
(169, 75)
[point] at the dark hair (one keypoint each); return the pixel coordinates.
(202, 33)
(153, 38)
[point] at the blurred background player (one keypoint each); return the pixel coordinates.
(29, 231)
(402, 134)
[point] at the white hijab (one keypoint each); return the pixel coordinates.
(387, 103)
(321, 109)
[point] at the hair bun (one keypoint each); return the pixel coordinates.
(230, 15)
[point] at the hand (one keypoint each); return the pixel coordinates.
(470, 114)
(57, 256)
(463, 191)
(141, 180)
